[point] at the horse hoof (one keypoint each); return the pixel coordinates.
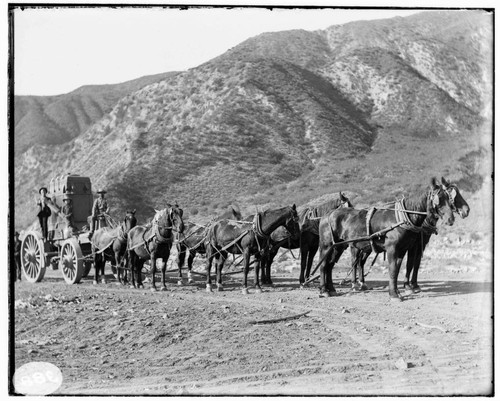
(363, 287)
(333, 293)
(396, 299)
(179, 282)
(416, 289)
(190, 281)
(220, 288)
(132, 286)
(244, 291)
(209, 288)
(153, 289)
(94, 282)
(163, 288)
(258, 291)
(104, 281)
(324, 294)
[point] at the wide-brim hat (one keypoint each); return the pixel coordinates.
(102, 191)
(40, 190)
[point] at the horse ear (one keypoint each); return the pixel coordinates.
(434, 183)
(444, 182)
(294, 207)
(133, 211)
(157, 211)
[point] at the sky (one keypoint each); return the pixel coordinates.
(57, 50)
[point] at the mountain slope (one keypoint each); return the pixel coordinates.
(51, 120)
(371, 108)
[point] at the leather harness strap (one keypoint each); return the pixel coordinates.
(369, 216)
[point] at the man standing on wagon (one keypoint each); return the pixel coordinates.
(99, 209)
(43, 211)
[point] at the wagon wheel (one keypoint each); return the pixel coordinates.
(71, 261)
(33, 257)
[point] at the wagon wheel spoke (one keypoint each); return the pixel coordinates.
(71, 262)
(33, 257)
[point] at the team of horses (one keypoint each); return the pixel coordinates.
(400, 228)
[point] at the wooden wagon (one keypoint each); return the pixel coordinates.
(67, 247)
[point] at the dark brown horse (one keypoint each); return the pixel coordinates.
(247, 238)
(152, 241)
(307, 239)
(193, 241)
(415, 253)
(395, 232)
(110, 244)
(309, 218)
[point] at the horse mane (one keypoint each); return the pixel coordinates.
(418, 202)
(319, 209)
(327, 206)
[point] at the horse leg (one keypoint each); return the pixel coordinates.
(361, 275)
(97, 258)
(246, 263)
(220, 264)
(358, 260)
(266, 263)
(191, 256)
(163, 272)
(411, 256)
(326, 252)
(257, 263)
(208, 267)
(394, 259)
(138, 272)
(313, 248)
(304, 250)
(303, 263)
(133, 268)
(125, 267)
(181, 256)
(336, 254)
(416, 264)
(153, 271)
(355, 256)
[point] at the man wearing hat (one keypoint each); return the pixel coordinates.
(67, 210)
(17, 258)
(43, 211)
(99, 209)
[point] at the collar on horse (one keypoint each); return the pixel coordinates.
(402, 216)
(257, 226)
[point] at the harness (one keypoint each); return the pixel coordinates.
(154, 235)
(121, 236)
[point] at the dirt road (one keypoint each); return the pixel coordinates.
(108, 339)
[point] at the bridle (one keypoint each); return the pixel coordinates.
(452, 190)
(434, 200)
(156, 225)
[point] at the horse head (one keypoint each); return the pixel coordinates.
(457, 202)
(129, 221)
(344, 200)
(438, 203)
(175, 214)
(292, 223)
